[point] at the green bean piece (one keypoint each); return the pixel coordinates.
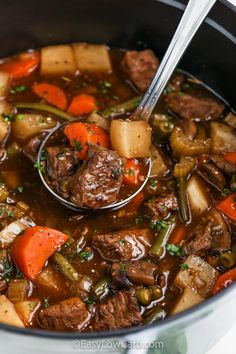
(155, 315)
(159, 245)
(122, 108)
(13, 150)
(65, 267)
(143, 296)
(184, 208)
(44, 108)
(101, 289)
(228, 259)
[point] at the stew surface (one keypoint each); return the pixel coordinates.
(172, 247)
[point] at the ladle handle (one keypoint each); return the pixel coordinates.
(193, 16)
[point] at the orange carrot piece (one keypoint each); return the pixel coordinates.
(23, 65)
(135, 203)
(224, 281)
(82, 104)
(132, 172)
(34, 246)
(230, 157)
(83, 134)
(178, 235)
(228, 206)
(52, 94)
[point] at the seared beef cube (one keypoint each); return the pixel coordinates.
(138, 273)
(223, 165)
(70, 314)
(191, 106)
(123, 245)
(97, 183)
(32, 147)
(159, 207)
(118, 311)
(199, 240)
(140, 67)
(61, 162)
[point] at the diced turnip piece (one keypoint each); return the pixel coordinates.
(197, 195)
(5, 81)
(9, 233)
(199, 276)
(188, 299)
(17, 290)
(51, 280)
(131, 138)
(8, 314)
(57, 59)
(5, 109)
(27, 309)
(102, 122)
(93, 58)
(223, 138)
(27, 125)
(160, 165)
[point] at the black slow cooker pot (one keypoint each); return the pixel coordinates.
(133, 24)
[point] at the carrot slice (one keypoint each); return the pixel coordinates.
(230, 157)
(135, 203)
(34, 246)
(82, 104)
(178, 235)
(52, 94)
(228, 206)
(83, 134)
(224, 281)
(22, 65)
(132, 172)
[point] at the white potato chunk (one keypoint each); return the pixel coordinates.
(93, 58)
(5, 81)
(188, 299)
(8, 314)
(27, 125)
(197, 195)
(27, 309)
(5, 108)
(9, 233)
(223, 138)
(57, 59)
(160, 165)
(131, 138)
(200, 276)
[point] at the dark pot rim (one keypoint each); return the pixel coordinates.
(188, 315)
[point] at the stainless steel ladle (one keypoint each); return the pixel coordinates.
(193, 16)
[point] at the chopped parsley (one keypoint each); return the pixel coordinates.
(181, 93)
(116, 97)
(175, 250)
(85, 255)
(90, 300)
(18, 89)
(226, 191)
(20, 116)
(10, 214)
(20, 189)
(184, 266)
(130, 171)
(158, 225)
(116, 172)
(122, 267)
(138, 220)
(39, 167)
(46, 302)
(77, 145)
(7, 117)
(152, 182)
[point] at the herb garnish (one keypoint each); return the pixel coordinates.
(175, 250)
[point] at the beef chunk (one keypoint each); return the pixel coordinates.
(97, 183)
(123, 245)
(140, 67)
(223, 165)
(32, 147)
(191, 106)
(118, 311)
(61, 162)
(159, 207)
(68, 314)
(138, 273)
(199, 240)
